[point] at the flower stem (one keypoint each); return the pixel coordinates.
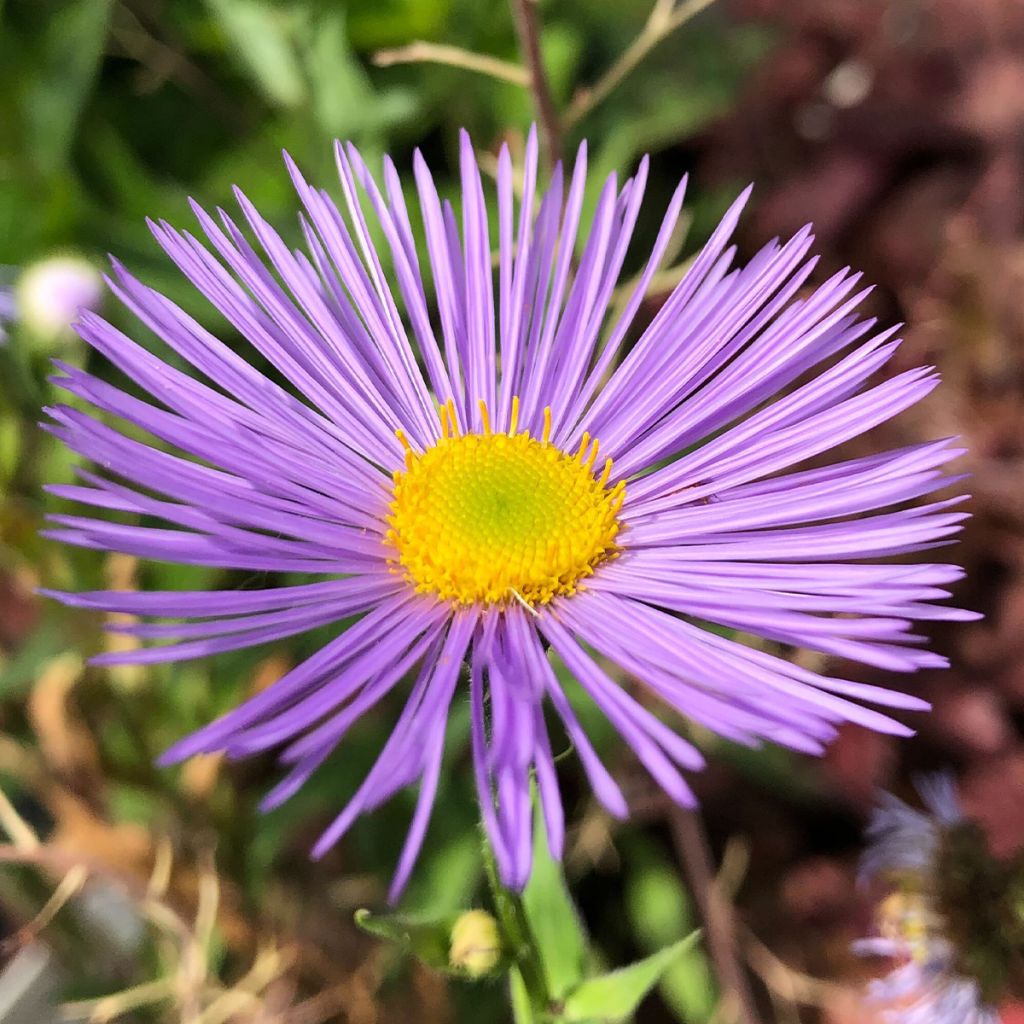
(517, 940)
(524, 13)
(664, 19)
(454, 57)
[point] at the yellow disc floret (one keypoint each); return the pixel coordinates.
(492, 518)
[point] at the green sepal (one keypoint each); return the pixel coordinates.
(428, 939)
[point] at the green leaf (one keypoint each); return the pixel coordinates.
(449, 874)
(46, 642)
(616, 995)
(72, 47)
(10, 446)
(554, 923)
(262, 38)
(344, 101)
(427, 939)
(661, 912)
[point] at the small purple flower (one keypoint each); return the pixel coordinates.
(7, 310)
(489, 469)
(925, 985)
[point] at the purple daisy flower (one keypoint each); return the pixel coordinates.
(510, 485)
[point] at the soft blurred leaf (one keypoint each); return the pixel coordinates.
(394, 22)
(10, 446)
(71, 48)
(553, 919)
(18, 674)
(427, 939)
(262, 41)
(447, 877)
(661, 912)
(344, 103)
(616, 995)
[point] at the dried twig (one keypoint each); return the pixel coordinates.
(664, 19)
(107, 1008)
(69, 887)
(524, 13)
(421, 52)
(21, 833)
(200, 997)
(692, 847)
(794, 986)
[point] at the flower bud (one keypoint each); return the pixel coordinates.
(50, 294)
(475, 943)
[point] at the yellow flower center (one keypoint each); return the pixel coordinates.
(492, 518)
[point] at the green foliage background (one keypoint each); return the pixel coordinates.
(112, 111)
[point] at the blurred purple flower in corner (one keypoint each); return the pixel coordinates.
(926, 984)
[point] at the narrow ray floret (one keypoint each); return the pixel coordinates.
(503, 472)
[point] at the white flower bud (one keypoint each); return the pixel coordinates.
(50, 294)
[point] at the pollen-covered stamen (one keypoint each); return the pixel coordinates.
(494, 518)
